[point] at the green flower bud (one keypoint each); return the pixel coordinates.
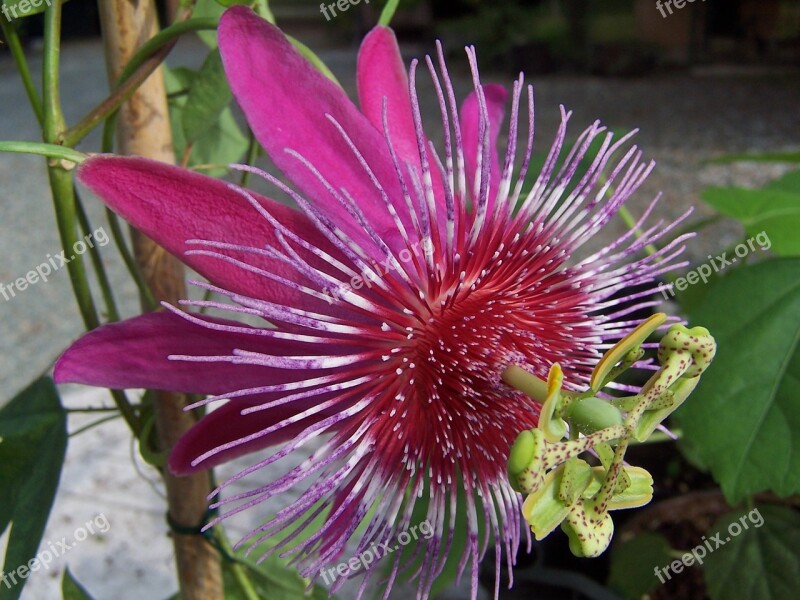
(589, 415)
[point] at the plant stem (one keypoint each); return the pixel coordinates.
(252, 155)
(141, 65)
(388, 13)
(97, 262)
(61, 179)
(525, 382)
(93, 424)
(15, 47)
(92, 409)
(630, 222)
(49, 150)
(144, 130)
(248, 590)
(146, 296)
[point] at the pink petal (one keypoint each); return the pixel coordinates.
(496, 96)
(382, 74)
(226, 424)
(172, 205)
(133, 354)
(288, 103)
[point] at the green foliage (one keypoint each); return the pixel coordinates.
(786, 157)
(761, 562)
(269, 580)
(209, 94)
(633, 564)
(71, 589)
(33, 441)
(744, 419)
(774, 210)
(201, 122)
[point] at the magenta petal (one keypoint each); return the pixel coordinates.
(289, 103)
(172, 205)
(133, 354)
(381, 74)
(225, 425)
(496, 96)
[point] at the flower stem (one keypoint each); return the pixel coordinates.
(239, 573)
(630, 222)
(97, 263)
(50, 150)
(15, 47)
(388, 13)
(141, 65)
(94, 424)
(525, 382)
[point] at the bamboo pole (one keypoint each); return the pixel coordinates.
(144, 130)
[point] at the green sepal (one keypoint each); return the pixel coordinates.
(620, 350)
(591, 414)
(553, 427)
(638, 493)
(651, 418)
(681, 340)
(587, 537)
(527, 457)
(544, 510)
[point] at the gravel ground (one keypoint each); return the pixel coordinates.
(684, 119)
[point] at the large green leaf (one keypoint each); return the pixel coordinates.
(71, 589)
(743, 420)
(272, 578)
(633, 564)
(222, 142)
(771, 210)
(788, 183)
(33, 441)
(759, 562)
(209, 94)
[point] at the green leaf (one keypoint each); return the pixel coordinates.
(227, 3)
(209, 94)
(208, 8)
(743, 420)
(19, 9)
(633, 564)
(788, 157)
(774, 211)
(221, 144)
(271, 579)
(760, 562)
(788, 183)
(71, 589)
(33, 441)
